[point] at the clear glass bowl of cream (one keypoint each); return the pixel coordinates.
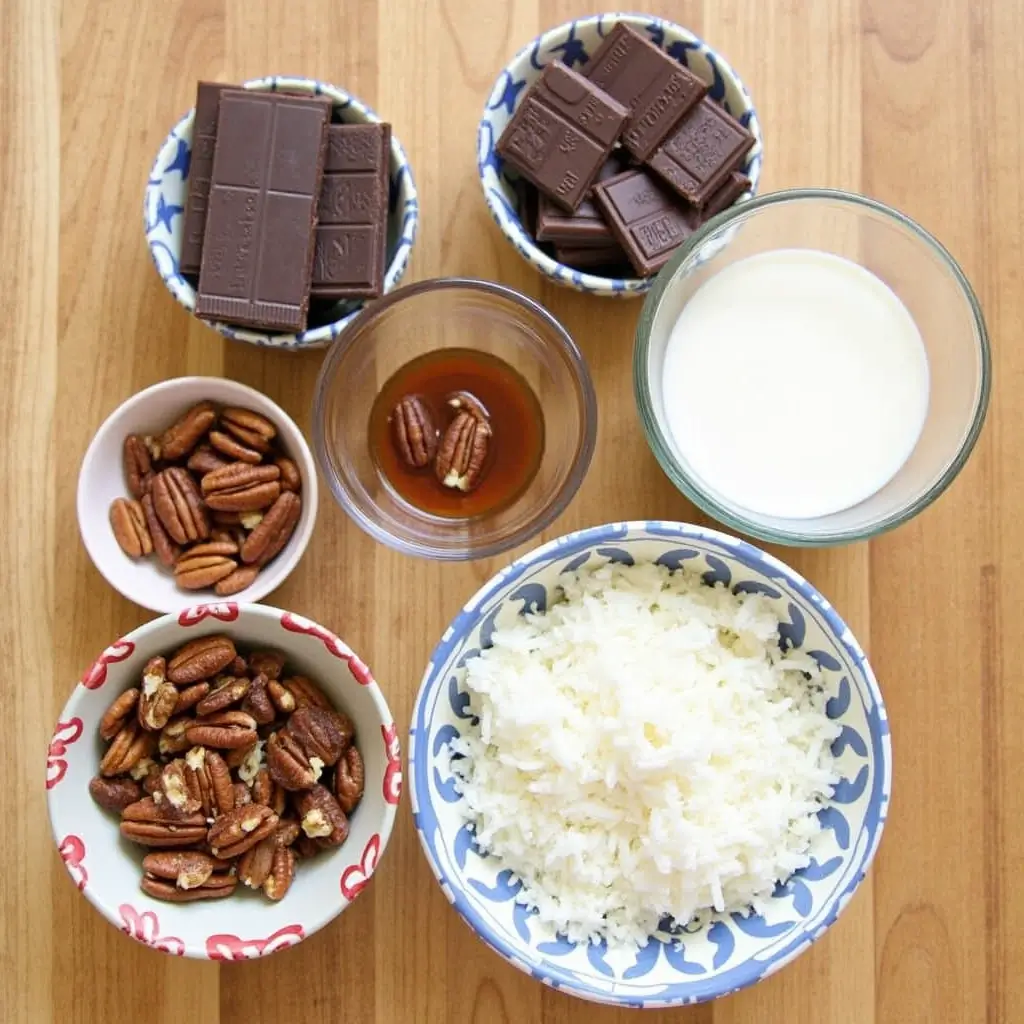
(812, 368)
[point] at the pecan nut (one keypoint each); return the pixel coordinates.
(274, 531)
(238, 830)
(266, 791)
(128, 522)
(229, 692)
(267, 663)
(257, 701)
(462, 457)
(414, 432)
(226, 730)
(290, 766)
(466, 401)
(288, 831)
(349, 779)
(159, 697)
(281, 697)
(306, 693)
(291, 478)
(181, 437)
(174, 735)
(138, 467)
(165, 548)
(128, 748)
(249, 427)
(233, 448)
(237, 581)
(208, 780)
(242, 794)
(241, 488)
(247, 761)
(218, 885)
(201, 659)
(321, 816)
(191, 696)
(205, 460)
(174, 784)
(114, 794)
(188, 869)
(319, 734)
(147, 773)
(256, 863)
(118, 713)
(179, 505)
(282, 871)
(150, 823)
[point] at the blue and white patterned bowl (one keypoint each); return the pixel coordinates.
(167, 191)
(572, 44)
(679, 965)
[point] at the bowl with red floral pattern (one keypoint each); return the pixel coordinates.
(227, 809)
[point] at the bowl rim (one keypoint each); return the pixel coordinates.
(328, 909)
(560, 273)
(574, 543)
(279, 569)
(324, 334)
(574, 477)
(751, 525)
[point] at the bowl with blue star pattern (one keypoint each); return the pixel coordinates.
(681, 962)
(167, 194)
(573, 44)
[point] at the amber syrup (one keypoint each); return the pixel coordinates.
(516, 419)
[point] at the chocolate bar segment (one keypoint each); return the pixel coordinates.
(200, 167)
(735, 185)
(351, 238)
(646, 219)
(261, 217)
(701, 153)
(657, 89)
(561, 134)
(584, 227)
(589, 257)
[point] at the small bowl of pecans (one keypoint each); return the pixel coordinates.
(223, 782)
(197, 487)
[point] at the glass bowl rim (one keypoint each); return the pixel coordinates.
(577, 367)
(752, 526)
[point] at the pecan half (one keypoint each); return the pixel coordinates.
(205, 460)
(247, 761)
(241, 488)
(128, 748)
(466, 401)
(218, 885)
(138, 467)
(233, 448)
(291, 478)
(249, 427)
(319, 734)
(174, 784)
(290, 766)
(191, 696)
(174, 735)
(288, 831)
(208, 780)
(283, 699)
(201, 659)
(256, 863)
(349, 779)
(188, 869)
(282, 871)
(306, 693)
(147, 772)
(322, 818)
(159, 697)
(278, 524)
(266, 791)
(305, 847)
(114, 794)
(198, 569)
(414, 432)
(238, 667)
(267, 663)
(117, 714)
(128, 522)
(462, 457)
(242, 794)
(226, 730)
(179, 505)
(235, 582)
(229, 692)
(235, 832)
(181, 437)
(158, 824)
(165, 548)
(257, 701)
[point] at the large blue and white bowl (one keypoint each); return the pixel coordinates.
(678, 965)
(572, 44)
(167, 193)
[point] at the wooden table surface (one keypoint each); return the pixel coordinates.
(915, 102)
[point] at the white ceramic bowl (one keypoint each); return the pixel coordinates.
(167, 193)
(572, 43)
(107, 868)
(101, 479)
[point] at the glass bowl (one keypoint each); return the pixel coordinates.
(921, 273)
(423, 318)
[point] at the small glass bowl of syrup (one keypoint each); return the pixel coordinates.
(392, 388)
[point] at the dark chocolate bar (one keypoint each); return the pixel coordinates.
(261, 217)
(645, 217)
(702, 151)
(657, 89)
(351, 237)
(561, 134)
(204, 139)
(584, 227)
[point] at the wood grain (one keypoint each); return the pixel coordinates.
(915, 103)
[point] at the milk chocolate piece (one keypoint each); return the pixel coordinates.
(351, 238)
(204, 139)
(702, 151)
(735, 185)
(561, 134)
(657, 89)
(590, 257)
(646, 219)
(584, 227)
(261, 217)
